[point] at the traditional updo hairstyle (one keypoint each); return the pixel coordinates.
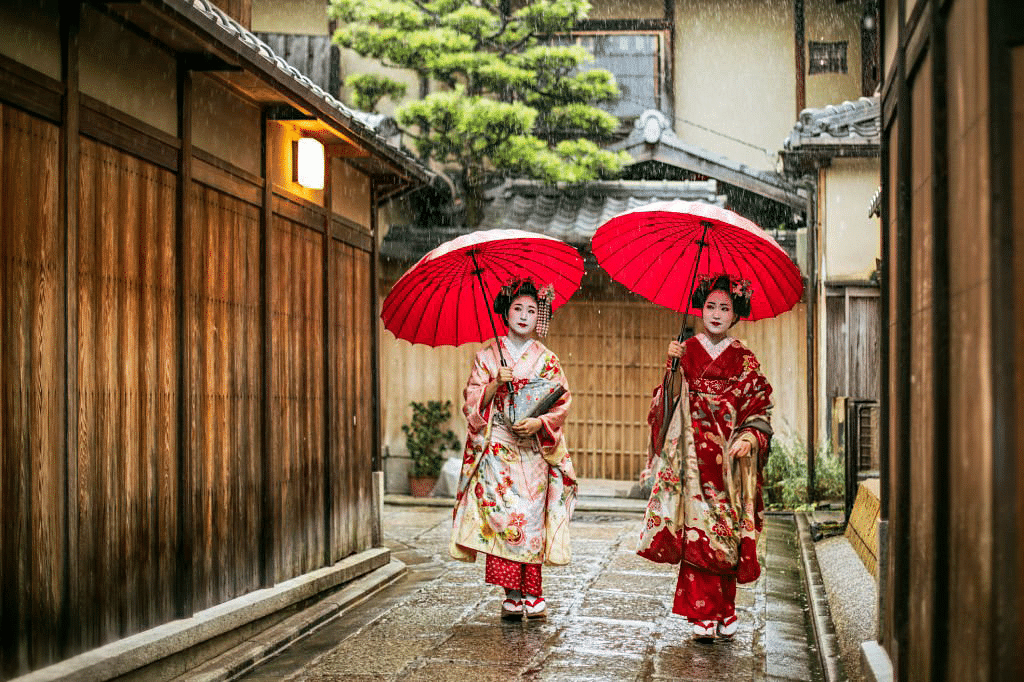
(737, 289)
(512, 291)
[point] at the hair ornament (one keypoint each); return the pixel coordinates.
(739, 290)
(516, 287)
(545, 297)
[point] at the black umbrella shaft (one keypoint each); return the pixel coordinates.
(477, 271)
(701, 243)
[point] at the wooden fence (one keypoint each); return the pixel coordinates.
(185, 419)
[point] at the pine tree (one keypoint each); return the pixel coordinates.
(497, 97)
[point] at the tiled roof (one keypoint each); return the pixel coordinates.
(359, 122)
(574, 213)
(850, 123)
(653, 139)
(570, 213)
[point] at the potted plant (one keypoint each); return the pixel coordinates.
(426, 441)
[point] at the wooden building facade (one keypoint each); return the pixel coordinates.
(187, 334)
(952, 571)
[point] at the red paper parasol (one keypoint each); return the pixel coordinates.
(446, 298)
(657, 251)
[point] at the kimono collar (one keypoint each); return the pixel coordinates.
(713, 349)
(515, 352)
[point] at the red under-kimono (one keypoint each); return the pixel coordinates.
(706, 511)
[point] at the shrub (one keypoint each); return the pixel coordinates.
(785, 476)
(425, 439)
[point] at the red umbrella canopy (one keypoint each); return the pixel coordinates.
(439, 300)
(653, 250)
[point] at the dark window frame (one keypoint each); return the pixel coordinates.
(827, 57)
(661, 66)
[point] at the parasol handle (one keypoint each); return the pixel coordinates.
(686, 331)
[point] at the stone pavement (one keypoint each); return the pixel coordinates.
(609, 616)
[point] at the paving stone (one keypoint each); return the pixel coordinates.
(445, 671)
(618, 606)
(566, 667)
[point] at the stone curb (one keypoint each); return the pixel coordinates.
(821, 616)
(251, 653)
(151, 647)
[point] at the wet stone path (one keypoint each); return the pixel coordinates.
(609, 617)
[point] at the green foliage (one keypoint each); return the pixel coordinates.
(509, 104)
(369, 88)
(425, 437)
(785, 476)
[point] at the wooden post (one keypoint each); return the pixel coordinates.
(1005, 33)
(899, 529)
(375, 330)
(942, 359)
(70, 634)
(183, 603)
(799, 49)
(268, 495)
(329, 345)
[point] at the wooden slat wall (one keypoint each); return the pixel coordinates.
(865, 351)
(352, 409)
(124, 510)
(613, 353)
(225, 445)
(297, 363)
(32, 466)
(127, 373)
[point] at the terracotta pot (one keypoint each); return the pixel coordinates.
(421, 486)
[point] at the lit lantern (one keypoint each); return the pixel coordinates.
(309, 163)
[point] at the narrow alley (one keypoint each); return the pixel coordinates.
(609, 617)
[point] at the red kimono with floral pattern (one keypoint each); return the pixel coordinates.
(706, 509)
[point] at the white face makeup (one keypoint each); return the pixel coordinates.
(522, 317)
(718, 315)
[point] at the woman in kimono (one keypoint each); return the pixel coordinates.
(517, 488)
(710, 437)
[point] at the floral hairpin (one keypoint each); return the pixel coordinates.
(545, 297)
(740, 288)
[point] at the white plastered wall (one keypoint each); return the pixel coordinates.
(851, 242)
(735, 87)
(31, 35)
(126, 72)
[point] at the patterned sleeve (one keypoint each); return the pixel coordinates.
(754, 418)
(476, 413)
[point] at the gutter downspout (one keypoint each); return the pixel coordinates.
(812, 316)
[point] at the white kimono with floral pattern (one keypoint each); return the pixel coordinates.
(516, 495)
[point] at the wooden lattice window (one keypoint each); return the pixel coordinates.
(827, 57)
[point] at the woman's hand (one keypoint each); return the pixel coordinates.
(527, 427)
(676, 349)
(741, 448)
(504, 376)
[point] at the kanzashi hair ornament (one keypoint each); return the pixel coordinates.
(545, 297)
